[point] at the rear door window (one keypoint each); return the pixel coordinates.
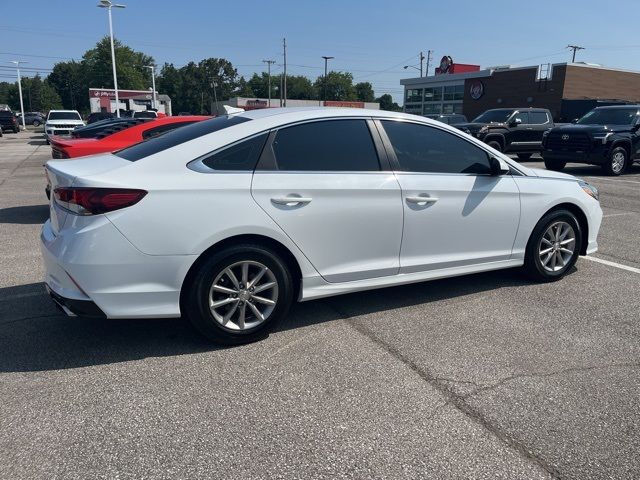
(326, 146)
(538, 118)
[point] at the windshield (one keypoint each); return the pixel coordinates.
(145, 114)
(499, 115)
(609, 116)
(64, 116)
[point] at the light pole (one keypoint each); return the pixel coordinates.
(412, 66)
(324, 94)
(109, 5)
(17, 64)
(269, 62)
(153, 85)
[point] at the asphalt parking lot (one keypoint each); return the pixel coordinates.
(484, 376)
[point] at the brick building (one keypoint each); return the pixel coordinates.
(567, 89)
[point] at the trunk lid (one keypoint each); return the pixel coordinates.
(64, 173)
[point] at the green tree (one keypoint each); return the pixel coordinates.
(386, 103)
(244, 89)
(364, 92)
(71, 84)
(339, 86)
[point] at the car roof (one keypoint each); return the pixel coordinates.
(74, 111)
(303, 113)
(618, 106)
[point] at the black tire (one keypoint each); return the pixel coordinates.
(555, 165)
(524, 156)
(46, 140)
(533, 263)
(16, 129)
(612, 166)
(196, 300)
(496, 145)
(36, 123)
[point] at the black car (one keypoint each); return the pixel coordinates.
(511, 130)
(97, 116)
(109, 124)
(8, 121)
(33, 118)
(606, 136)
(448, 118)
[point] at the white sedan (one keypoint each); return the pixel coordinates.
(230, 220)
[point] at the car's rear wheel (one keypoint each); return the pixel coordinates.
(495, 145)
(554, 246)
(617, 162)
(524, 156)
(36, 123)
(239, 294)
(554, 165)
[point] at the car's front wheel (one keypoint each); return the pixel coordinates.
(36, 123)
(617, 162)
(553, 247)
(495, 145)
(554, 165)
(239, 294)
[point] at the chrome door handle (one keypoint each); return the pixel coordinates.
(421, 200)
(291, 200)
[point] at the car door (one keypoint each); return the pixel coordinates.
(519, 131)
(322, 182)
(455, 212)
(539, 122)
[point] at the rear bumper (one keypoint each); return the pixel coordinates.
(75, 308)
(90, 262)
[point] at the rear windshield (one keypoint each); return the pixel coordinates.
(178, 136)
(64, 116)
(610, 116)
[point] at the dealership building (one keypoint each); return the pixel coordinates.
(104, 100)
(567, 89)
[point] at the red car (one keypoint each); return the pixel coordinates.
(117, 137)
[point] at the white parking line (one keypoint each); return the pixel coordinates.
(617, 214)
(612, 180)
(613, 264)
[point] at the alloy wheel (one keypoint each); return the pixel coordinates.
(557, 246)
(243, 295)
(617, 162)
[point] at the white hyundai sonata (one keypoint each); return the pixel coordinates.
(230, 220)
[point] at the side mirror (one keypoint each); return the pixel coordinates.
(498, 167)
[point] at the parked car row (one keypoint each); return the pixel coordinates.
(228, 221)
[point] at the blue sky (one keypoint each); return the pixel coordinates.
(372, 39)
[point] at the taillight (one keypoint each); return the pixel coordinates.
(92, 201)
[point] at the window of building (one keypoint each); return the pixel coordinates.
(433, 94)
(414, 95)
(415, 109)
(332, 145)
(421, 148)
(432, 108)
(241, 156)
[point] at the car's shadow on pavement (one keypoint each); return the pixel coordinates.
(25, 215)
(35, 336)
(37, 142)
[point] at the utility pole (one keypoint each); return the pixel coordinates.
(269, 63)
(109, 5)
(280, 90)
(153, 85)
(421, 62)
(326, 59)
(284, 49)
(17, 64)
(215, 97)
(429, 53)
(574, 48)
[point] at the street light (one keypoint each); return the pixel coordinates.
(109, 5)
(412, 66)
(17, 64)
(326, 59)
(269, 63)
(153, 85)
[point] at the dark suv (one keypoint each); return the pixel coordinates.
(606, 136)
(8, 121)
(511, 130)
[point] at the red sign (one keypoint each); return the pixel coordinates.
(338, 103)
(122, 94)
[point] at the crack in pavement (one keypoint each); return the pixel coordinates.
(452, 398)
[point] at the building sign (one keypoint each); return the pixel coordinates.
(337, 103)
(476, 89)
(122, 94)
(446, 63)
(254, 104)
